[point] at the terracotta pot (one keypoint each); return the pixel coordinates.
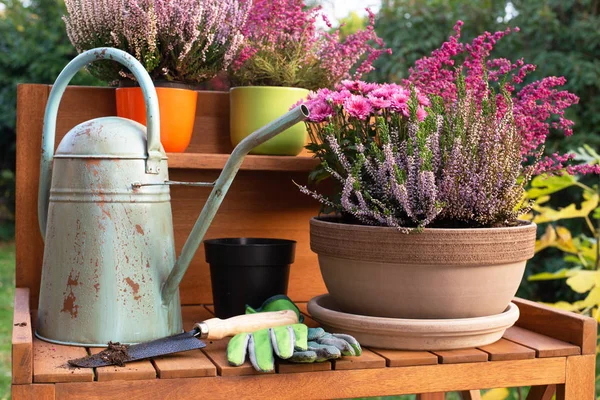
(177, 107)
(437, 273)
(252, 107)
(413, 334)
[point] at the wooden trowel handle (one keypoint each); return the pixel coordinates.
(216, 328)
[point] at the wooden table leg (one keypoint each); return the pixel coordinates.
(544, 392)
(431, 396)
(580, 379)
(470, 394)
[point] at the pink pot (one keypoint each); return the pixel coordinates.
(437, 273)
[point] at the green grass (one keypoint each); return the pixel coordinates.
(7, 292)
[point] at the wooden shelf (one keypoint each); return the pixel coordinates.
(251, 162)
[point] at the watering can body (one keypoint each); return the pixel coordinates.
(109, 271)
(108, 244)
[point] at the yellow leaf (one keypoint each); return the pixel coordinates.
(548, 214)
(548, 276)
(593, 298)
(546, 240)
(582, 281)
(496, 394)
(563, 305)
(565, 240)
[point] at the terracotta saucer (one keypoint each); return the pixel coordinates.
(412, 334)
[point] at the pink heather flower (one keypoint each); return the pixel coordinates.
(358, 107)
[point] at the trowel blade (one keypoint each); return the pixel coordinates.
(173, 344)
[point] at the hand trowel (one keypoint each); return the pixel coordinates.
(211, 329)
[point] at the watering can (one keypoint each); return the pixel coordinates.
(109, 271)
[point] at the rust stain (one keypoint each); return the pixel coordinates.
(135, 287)
(139, 229)
(97, 287)
(147, 263)
(69, 305)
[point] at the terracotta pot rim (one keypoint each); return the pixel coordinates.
(328, 222)
(288, 88)
(467, 326)
(128, 84)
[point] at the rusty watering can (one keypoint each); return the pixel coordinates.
(109, 271)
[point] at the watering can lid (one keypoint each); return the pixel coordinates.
(107, 137)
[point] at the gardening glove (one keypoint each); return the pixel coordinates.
(324, 346)
(307, 345)
(260, 346)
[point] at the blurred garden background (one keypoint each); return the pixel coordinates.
(562, 37)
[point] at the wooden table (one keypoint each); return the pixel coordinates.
(548, 349)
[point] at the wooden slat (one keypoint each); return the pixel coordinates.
(401, 358)
(50, 363)
(368, 359)
(31, 102)
(580, 379)
(251, 162)
(184, 365)
(544, 346)
(504, 350)
(333, 384)
(543, 392)
(566, 326)
(461, 356)
(284, 367)
(135, 370)
(22, 339)
(33, 392)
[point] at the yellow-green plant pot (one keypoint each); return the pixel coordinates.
(252, 107)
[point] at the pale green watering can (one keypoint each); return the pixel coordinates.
(109, 271)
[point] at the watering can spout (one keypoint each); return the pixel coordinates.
(221, 186)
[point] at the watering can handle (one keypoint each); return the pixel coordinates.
(49, 131)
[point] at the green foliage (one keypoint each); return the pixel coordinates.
(7, 292)
(562, 37)
(581, 254)
(34, 48)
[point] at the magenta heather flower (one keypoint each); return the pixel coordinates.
(358, 107)
(284, 48)
(537, 107)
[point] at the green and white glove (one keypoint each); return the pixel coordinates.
(296, 343)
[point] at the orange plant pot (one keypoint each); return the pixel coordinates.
(177, 109)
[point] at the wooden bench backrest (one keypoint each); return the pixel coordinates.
(259, 203)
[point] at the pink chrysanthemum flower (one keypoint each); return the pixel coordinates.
(358, 107)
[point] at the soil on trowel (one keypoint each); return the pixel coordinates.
(116, 354)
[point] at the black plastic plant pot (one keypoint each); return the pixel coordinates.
(247, 271)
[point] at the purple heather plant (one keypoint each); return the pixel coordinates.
(187, 41)
(285, 48)
(404, 160)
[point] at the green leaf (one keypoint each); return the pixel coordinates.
(544, 184)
